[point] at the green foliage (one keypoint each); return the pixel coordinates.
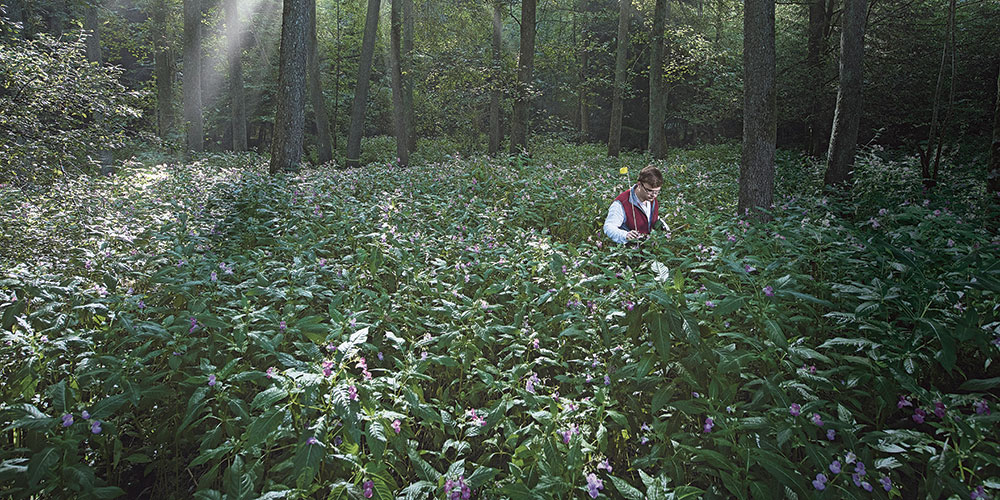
(57, 110)
(400, 332)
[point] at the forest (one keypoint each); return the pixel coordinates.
(284, 249)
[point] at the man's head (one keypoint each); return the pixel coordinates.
(650, 182)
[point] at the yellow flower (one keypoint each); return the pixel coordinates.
(623, 171)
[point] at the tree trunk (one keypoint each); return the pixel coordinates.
(657, 97)
(325, 152)
(396, 81)
(621, 53)
(336, 82)
(951, 89)
(756, 189)
(237, 100)
(993, 178)
(406, 64)
(289, 115)
(164, 68)
(92, 25)
(496, 134)
(525, 65)
(818, 133)
(582, 93)
(193, 121)
(847, 115)
(361, 92)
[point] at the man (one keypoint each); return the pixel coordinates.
(635, 211)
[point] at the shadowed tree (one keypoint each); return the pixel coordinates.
(994, 170)
(237, 101)
(396, 82)
(324, 150)
(289, 115)
(657, 97)
(406, 64)
(621, 53)
(819, 121)
(759, 125)
(164, 70)
(496, 134)
(361, 92)
(847, 115)
(193, 122)
(92, 24)
(525, 65)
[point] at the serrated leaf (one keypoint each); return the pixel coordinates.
(626, 490)
(268, 397)
(262, 427)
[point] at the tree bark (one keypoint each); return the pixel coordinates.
(396, 81)
(847, 115)
(657, 97)
(361, 92)
(324, 150)
(496, 134)
(406, 63)
(237, 99)
(93, 26)
(621, 53)
(193, 121)
(993, 178)
(818, 125)
(756, 189)
(164, 69)
(525, 65)
(289, 115)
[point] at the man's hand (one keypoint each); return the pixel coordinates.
(633, 235)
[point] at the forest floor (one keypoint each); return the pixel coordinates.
(463, 324)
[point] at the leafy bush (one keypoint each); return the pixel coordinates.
(463, 325)
(57, 110)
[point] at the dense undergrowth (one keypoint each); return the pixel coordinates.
(462, 326)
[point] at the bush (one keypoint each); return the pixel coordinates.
(57, 110)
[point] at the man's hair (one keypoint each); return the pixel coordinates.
(651, 175)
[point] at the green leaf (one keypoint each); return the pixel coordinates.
(626, 490)
(659, 329)
(268, 397)
(41, 464)
(262, 427)
(57, 392)
(307, 459)
(983, 384)
(376, 438)
(107, 492)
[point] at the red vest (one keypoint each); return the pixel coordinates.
(635, 218)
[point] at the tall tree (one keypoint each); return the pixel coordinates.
(525, 65)
(930, 158)
(657, 94)
(818, 124)
(193, 121)
(325, 151)
(164, 71)
(583, 56)
(759, 118)
(407, 67)
(237, 101)
(496, 134)
(289, 115)
(847, 115)
(396, 81)
(361, 92)
(993, 178)
(92, 25)
(621, 53)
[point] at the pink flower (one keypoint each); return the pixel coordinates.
(397, 425)
(352, 393)
(816, 419)
(795, 409)
(211, 380)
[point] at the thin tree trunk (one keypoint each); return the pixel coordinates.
(237, 99)
(993, 178)
(847, 115)
(756, 189)
(525, 65)
(289, 115)
(657, 97)
(818, 133)
(193, 121)
(93, 27)
(496, 134)
(336, 82)
(406, 64)
(361, 92)
(951, 89)
(325, 152)
(396, 81)
(621, 53)
(164, 64)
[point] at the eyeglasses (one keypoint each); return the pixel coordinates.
(650, 191)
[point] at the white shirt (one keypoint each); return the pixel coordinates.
(616, 217)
